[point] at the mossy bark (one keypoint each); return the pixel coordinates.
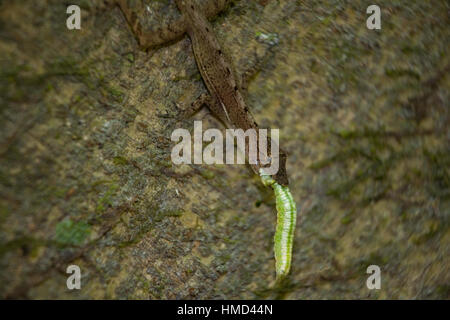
(86, 176)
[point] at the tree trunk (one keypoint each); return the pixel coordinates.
(86, 176)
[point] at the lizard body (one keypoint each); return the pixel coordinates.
(225, 99)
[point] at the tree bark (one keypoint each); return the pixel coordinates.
(86, 176)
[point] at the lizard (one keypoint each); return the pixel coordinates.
(225, 101)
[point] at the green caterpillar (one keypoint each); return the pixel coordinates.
(286, 219)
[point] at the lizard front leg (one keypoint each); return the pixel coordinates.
(212, 104)
(202, 100)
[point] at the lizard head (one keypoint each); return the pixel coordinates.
(281, 175)
(276, 168)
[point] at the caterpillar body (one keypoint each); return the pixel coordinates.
(286, 220)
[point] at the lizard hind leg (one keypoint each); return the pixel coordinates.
(150, 38)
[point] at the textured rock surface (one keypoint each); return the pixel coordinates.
(86, 176)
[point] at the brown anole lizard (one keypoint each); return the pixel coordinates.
(225, 99)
